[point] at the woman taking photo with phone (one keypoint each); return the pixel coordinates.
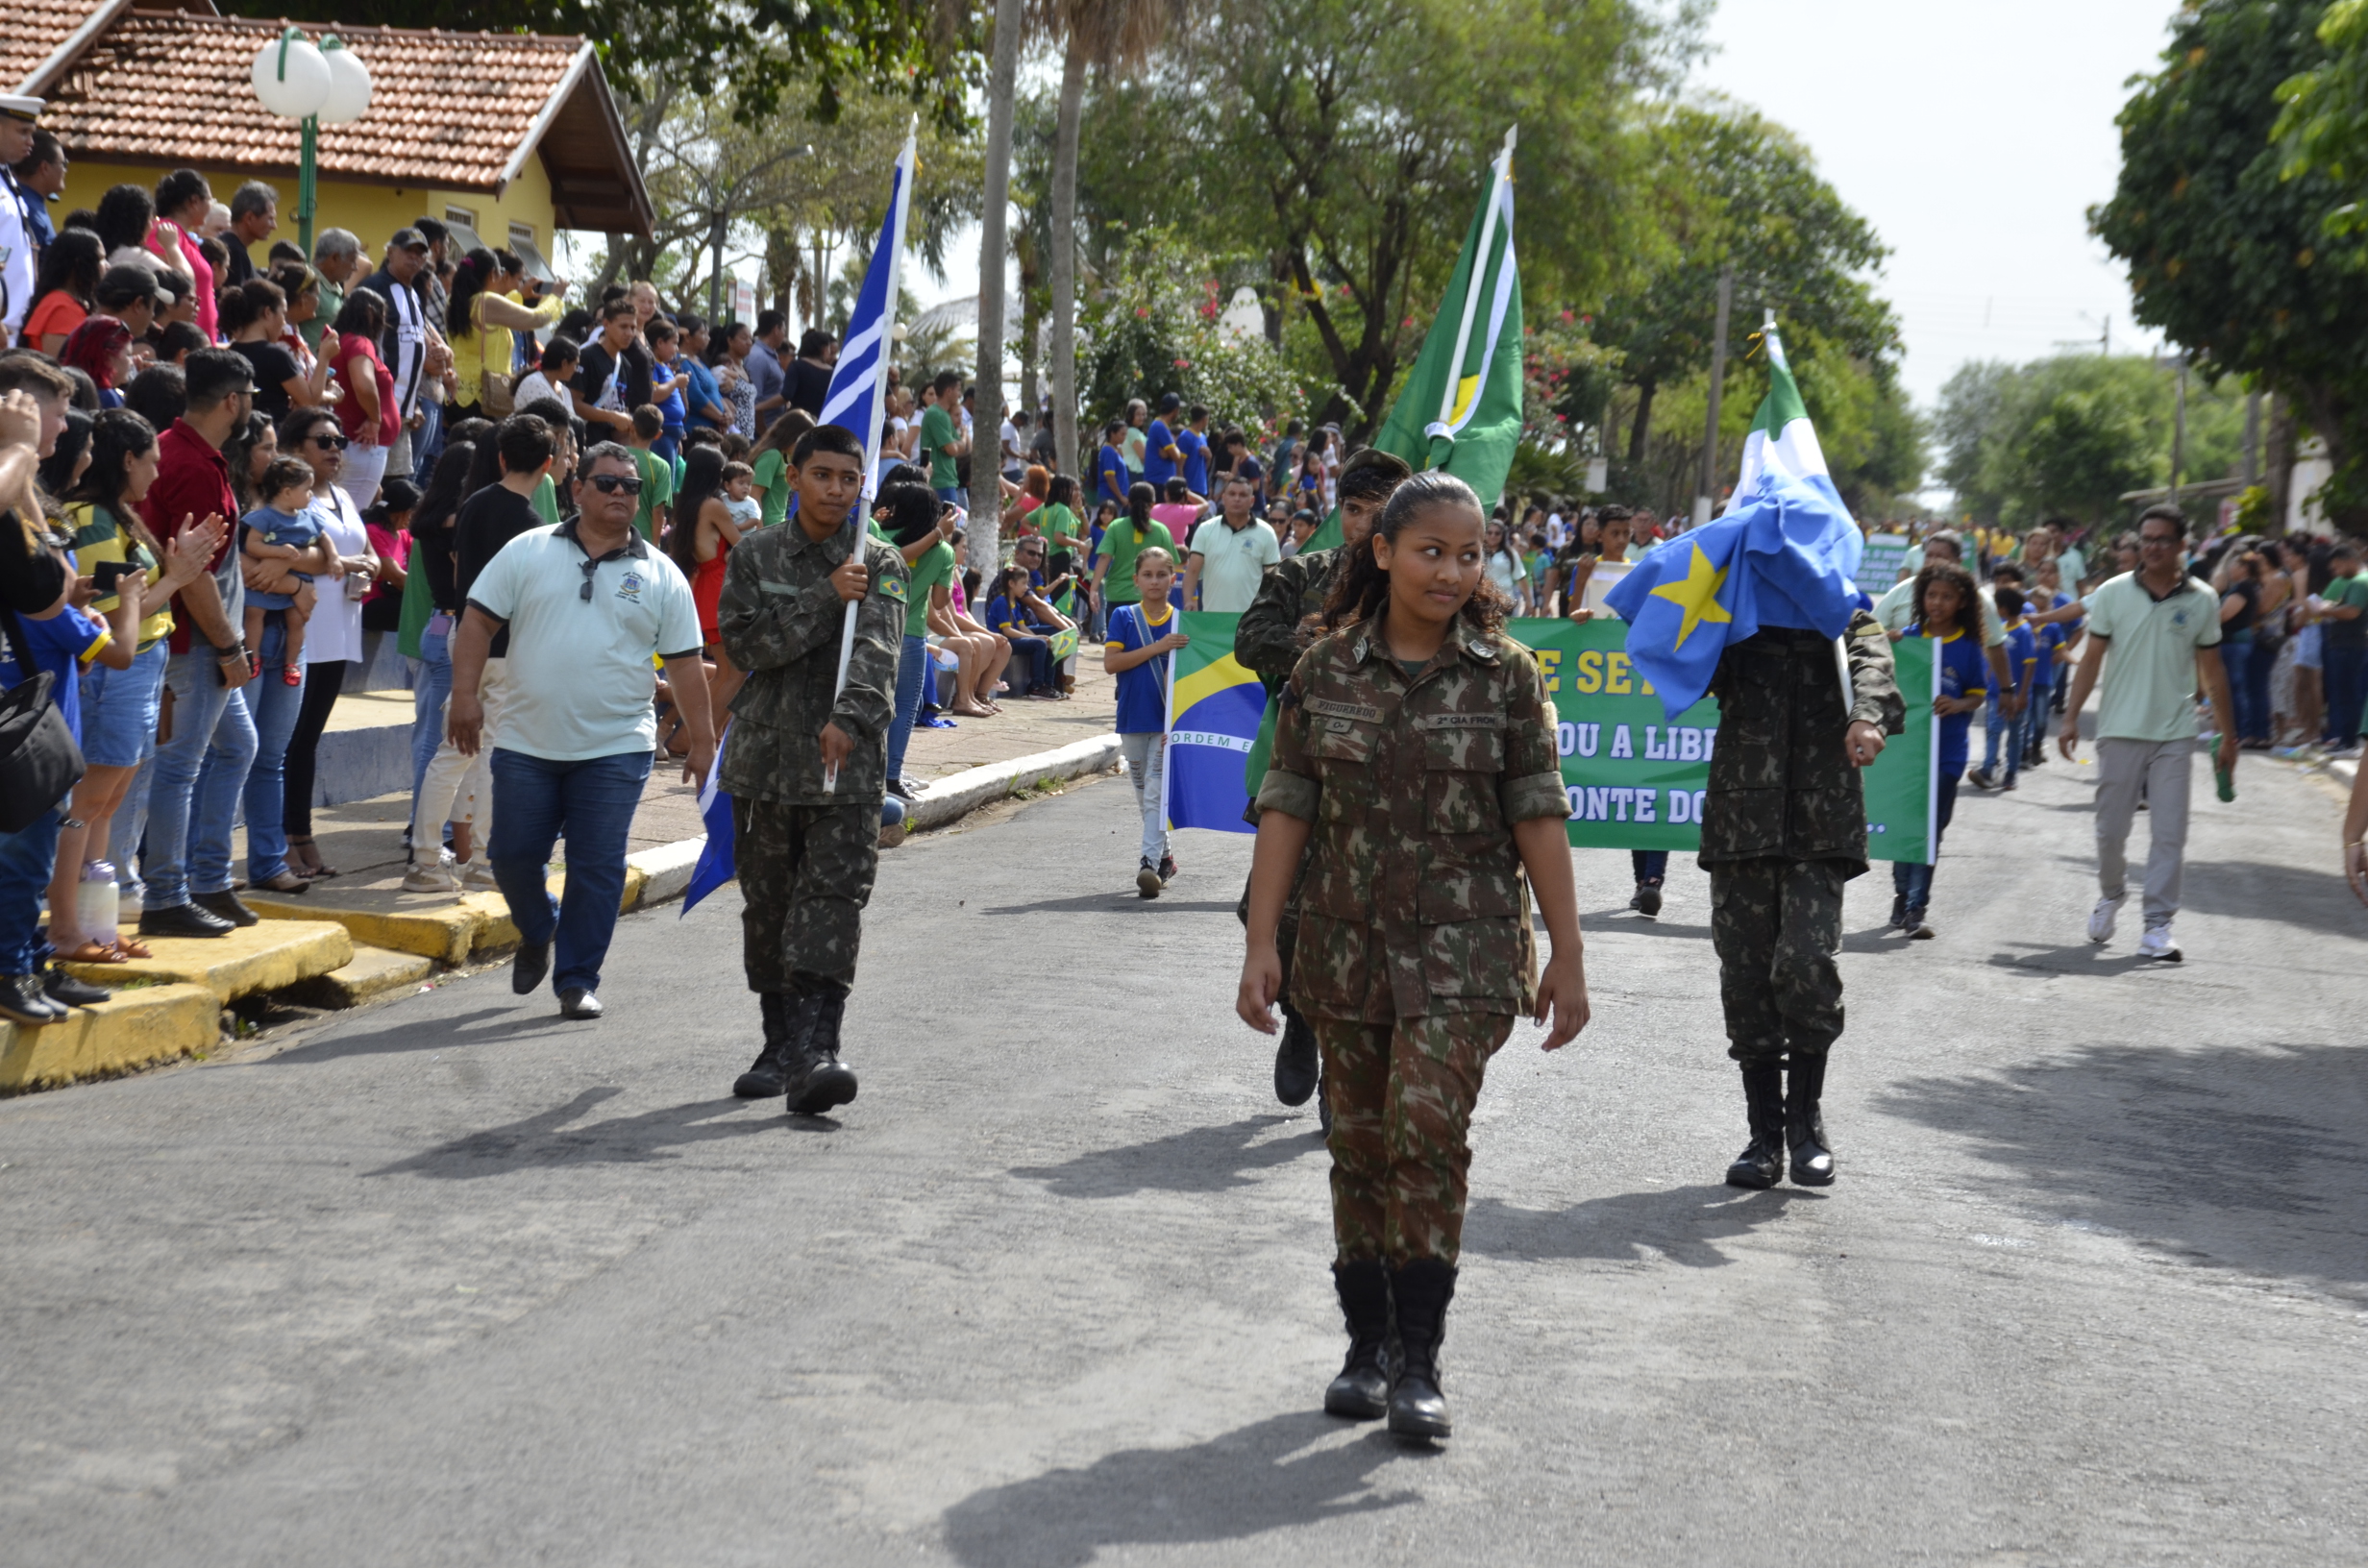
(1416, 770)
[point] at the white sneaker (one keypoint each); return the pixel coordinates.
(478, 875)
(2102, 917)
(2159, 944)
(424, 877)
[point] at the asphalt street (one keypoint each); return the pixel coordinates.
(453, 1281)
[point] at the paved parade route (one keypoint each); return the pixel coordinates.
(453, 1281)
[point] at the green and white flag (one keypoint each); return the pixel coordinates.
(1461, 408)
(1782, 439)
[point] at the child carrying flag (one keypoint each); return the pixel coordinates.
(1949, 612)
(1143, 639)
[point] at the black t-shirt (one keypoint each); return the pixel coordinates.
(810, 385)
(241, 268)
(592, 372)
(488, 520)
(2247, 614)
(274, 368)
(432, 553)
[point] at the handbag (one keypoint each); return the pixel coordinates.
(40, 761)
(497, 395)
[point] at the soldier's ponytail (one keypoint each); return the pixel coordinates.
(1362, 587)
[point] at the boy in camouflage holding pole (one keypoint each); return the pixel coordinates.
(807, 847)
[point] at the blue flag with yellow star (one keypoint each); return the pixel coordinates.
(1784, 557)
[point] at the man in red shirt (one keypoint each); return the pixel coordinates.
(213, 735)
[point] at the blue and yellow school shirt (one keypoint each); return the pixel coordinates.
(1196, 466)
(1964, 671)
(2049, 639)
(1157, 466)
(64, 644)
(1143, 691)
(2022, 654)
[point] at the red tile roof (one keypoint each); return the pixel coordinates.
(447, 110)
(31, 30)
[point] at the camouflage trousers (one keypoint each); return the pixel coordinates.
(1777, 925)
(1401, 1095)
(806, 874)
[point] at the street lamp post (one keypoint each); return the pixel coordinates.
(327, 86)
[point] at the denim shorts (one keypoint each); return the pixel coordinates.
(119, 709)
(2307, 645)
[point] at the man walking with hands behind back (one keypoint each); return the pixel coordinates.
(808, 762)
(586, 605)
(2156, 633)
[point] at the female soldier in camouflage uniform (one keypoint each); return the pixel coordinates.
(1417, 748)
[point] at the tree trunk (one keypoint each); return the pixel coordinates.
(1641, 431)
(994, 251)
(2278, 459)
(1064, 260)
(1032, 328)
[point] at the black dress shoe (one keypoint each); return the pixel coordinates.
(23, 1001)
(71, 991)
(225, 905)
(527, 969)
(577, 1002)
(182, 920)
(1296, 1061)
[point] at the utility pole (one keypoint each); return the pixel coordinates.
(715, 282)
(1706, 498)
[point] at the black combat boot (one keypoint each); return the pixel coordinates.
(1421, 1291)
(1362, 1390)
(1761, 1163)
(1812, 1163)
(818, 1080)
(1296, 1062)
(769, 1074)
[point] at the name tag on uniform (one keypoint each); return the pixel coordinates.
(1461, 720)
(1329, 709)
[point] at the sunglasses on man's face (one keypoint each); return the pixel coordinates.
(331, 443)
(608, 485)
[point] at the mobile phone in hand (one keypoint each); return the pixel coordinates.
(107, 574)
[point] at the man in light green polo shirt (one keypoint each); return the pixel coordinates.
(2155, 634)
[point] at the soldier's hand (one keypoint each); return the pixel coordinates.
(1865, 743)
(700, 762)
(1562, 995)
(836, 745)
(1262, 981)
(852, 580)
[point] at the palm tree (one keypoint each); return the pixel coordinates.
(994, 247)
(1117, 36)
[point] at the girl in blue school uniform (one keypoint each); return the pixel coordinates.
(1948, 612)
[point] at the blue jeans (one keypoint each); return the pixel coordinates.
(2259, 711)
(911, 665)
(1036, 654)
(2342, 669)
(1911, 881)
(1996, 728)
(590, 804)
(272, 706)
(2236, 658)
(26, 860)
(431, 684)
(194, 789)
(1649, 865)
(427, 443)
(951, 495)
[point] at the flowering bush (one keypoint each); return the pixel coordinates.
(1153, 330)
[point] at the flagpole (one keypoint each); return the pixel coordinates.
(904, 201)
(1498, 172)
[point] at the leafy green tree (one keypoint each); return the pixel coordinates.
(2228, 249)
(1745, 192)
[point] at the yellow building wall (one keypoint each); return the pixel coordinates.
(373, 212)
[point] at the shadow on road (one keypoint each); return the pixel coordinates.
(1684, 1224)
(2081, 958)
(481, 1028)
(2245, 1157)
(546, 1139)
(1112, 903)
(2265, 890)
(1200, 1160)
(1246, 1482)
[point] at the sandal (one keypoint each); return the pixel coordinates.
(311, 869)
(133, 947)
(93, 951)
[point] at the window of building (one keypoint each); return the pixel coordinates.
(466, 217)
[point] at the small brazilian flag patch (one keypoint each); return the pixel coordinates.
(891, 588)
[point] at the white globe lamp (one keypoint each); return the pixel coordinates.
(290, 77)
(349, 85)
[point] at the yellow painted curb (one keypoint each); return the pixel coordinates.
(133, 1029)
(267, 956)
(407, 922)
(373, 973)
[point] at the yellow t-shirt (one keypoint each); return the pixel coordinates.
(99, 537)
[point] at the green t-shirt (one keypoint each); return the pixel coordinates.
(1122, 544)
(1059, 526)
(657, 488)
(2148, 692)
(772, 485)
(932, 572)
(546, 503)
(937, 433)
(2352, 633)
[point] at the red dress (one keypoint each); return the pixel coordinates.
(708, 590)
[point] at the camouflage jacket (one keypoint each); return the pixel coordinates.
(1271, 635)
(1415, 901)
(780, 618)
(1781, 784)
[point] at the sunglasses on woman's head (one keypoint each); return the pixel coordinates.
(608, 485)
